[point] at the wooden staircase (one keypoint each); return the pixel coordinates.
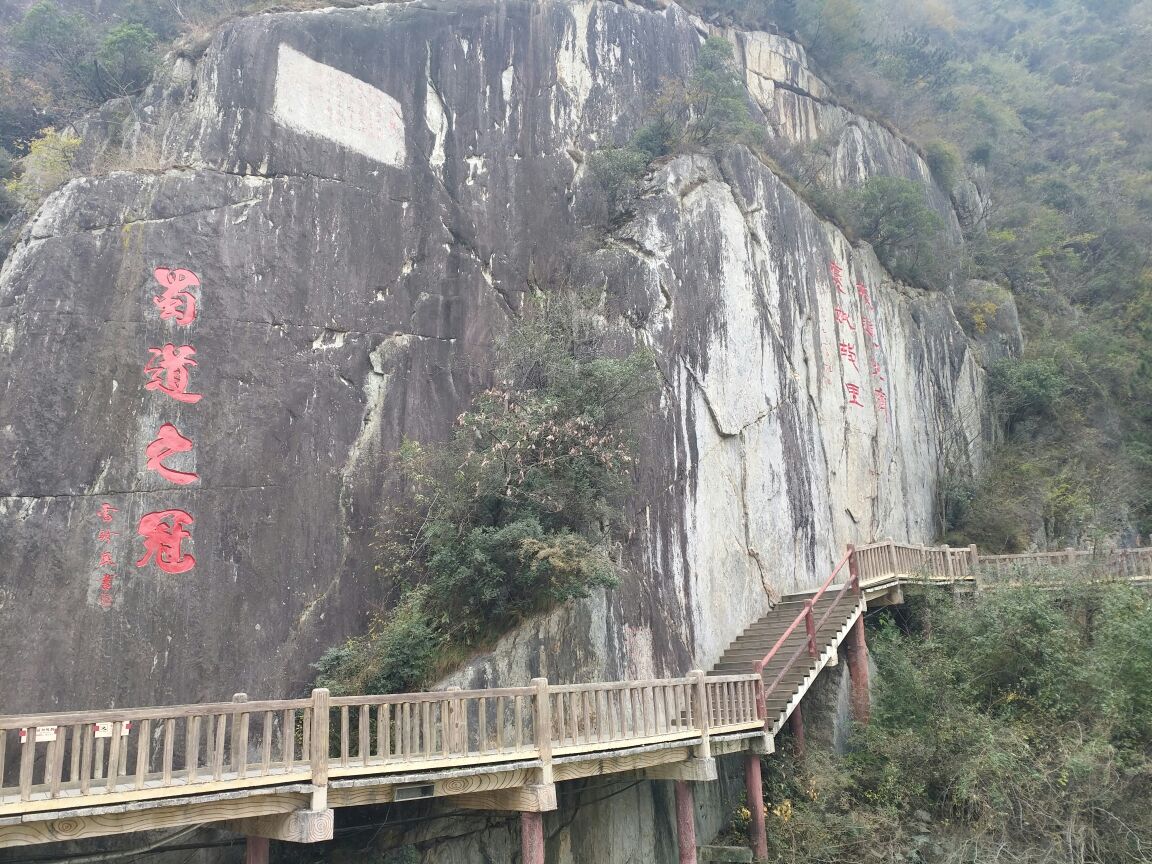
(791, 669)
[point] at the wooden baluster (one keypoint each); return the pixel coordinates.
(574, 716)
(384, 731)
(219, 741)
(209, 741)
(86, 748)
(4, 746)
(344, 736)
(73, 769)
(114, 745)
(239, 747)
(191, 749)
(98, 760)
(402, 729)
(266, 743)
(27, 760)
(365, 728)
(482, 723)
(810, 629)
(143, 751)
(287, 739)
(54, 763)
(306, 733)
(500, 720)
(426, 714)
(518, 708)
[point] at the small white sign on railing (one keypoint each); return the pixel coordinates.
(104, 730)
(43, 733)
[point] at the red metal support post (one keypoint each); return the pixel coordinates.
(685, 824)
(858, 671)
(796, 725)
(754, 787)
(531, 838)
(256, 850)
(810, 627)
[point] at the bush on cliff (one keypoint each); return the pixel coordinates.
(518, 511)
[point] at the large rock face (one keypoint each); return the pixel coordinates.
(366, 197)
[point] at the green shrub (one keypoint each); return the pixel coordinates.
(1019, 724)
(893, 215)
(46, 167)
(516, 512)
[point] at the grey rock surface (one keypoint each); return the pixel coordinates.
(367, 197)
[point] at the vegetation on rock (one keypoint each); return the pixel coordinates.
(1017, 727)
(1043, 107)
(517, 512)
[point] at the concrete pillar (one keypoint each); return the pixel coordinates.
(796, 724)
(256, 850)
(685, 822)
(531, 838)
(754, 787)
(858, 671)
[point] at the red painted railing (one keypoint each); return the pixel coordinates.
(811, 627)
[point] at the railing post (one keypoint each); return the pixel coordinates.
(854, 569)
(754, 791)
(543, 729)
(948, 573)
(892, 565)
(321, 703)
(810, 627)
(704, 711)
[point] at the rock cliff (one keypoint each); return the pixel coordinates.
(363, 200)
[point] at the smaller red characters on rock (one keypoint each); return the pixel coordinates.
(163, 533)
(169, 442)
(106, 581)
(848, 352)
(177, 301)
(106, 560)
(881, 398)
(168, 372)
(843, 317)
(862, 290)
(837, 276)
(106, 511)
(105, 600)
(869, 328)
(876, 371)
(854, 395)
(105, 536)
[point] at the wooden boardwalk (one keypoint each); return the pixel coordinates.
(278, 768)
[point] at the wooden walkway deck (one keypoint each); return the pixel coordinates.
(278, 768)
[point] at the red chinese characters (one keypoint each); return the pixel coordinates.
(169, 442)
(106, 566)
(178, 301)
(837, 276)
(854, 395)
(164, 531)
(848, 352)
(881, 398)
(168, 372)
(843, 317)
(862, 291)
(877, 372)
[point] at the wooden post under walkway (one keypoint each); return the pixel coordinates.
(531, 838)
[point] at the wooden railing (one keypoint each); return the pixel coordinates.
(82, 759)
(878, 561)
